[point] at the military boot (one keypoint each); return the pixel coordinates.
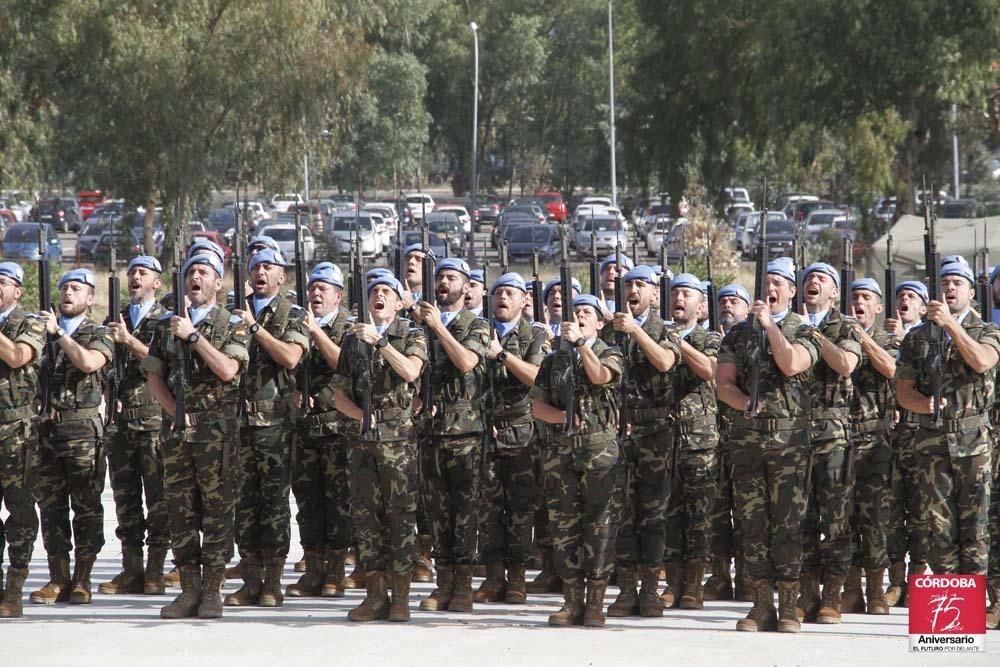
(788, 595)
(422, 572)
(992, 612)
(211, 592)
(441, 595)
(58, 588)
(720, 585)
(809, 597)
(375, 606)
(494, 586)
(311, 583)
(154, 580)
(516, 593)
(853, 601)
(694, 574)
(12, 606)
(172, 579)
(650, 604)
(461, 597)
(253, 583)
(186, 604)
(742, 588)
(593, 611)
(762, 616)
(627, 602)
(897, 583)
(131, 580)
(399, 609)
(877, 604)
(832, 603)
(356, 579)
(547, 580)
(300, 565)
(674, 575)
(573, 607)
(81, 580)
(236, 571)
(915, 570)
(270, 594)
(333, 583)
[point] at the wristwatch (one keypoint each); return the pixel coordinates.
(502, 357)
(381, 342)
(254, 328)
(579, 342)
(60, 332)
(194, 338)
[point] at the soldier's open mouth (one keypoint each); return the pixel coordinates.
(904, 309)
(772, 299)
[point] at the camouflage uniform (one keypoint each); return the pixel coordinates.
(954, 457)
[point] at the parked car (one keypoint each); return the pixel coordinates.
(62, 212)
(487, 211)
(554, 205)
(607, 230)
(780, 235)
(738, 195)
(344, 227)
(89, 200)
(822, 219)
(534, 210)
(284, 236)
(655, 236)
(420, 204)
(21, 242)
(597, 200)
(509, 218)
(282, 203)
(798, 211)
(90, 235)
(127, 246)
(460, 212)
(388, 212)
(523, 239)
(746, 226)
(416, 236)
(959, 208)
(257, 212)
(450, 227)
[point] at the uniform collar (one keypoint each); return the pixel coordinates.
(5, 314)
(138, 311)
(816, 319)
(260, 303)
(71, 324)
(504, 328)
(447, 316)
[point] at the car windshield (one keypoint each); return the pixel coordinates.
(95, 229)
(780, 226)
(415, 200)
(280, 233)
(601, 225)
(19, 234)
(822, 219)
(445, 225)
(530, 235)
(347, 224)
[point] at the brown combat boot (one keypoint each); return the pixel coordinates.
(627, 602)
(720, 585)
(375, 606)
(694, 574)
(853, 600)
(300, 565)
(788, 595)
(131, 580)
(211, 592)
(762, 616)
(253, 584)
(12, 605)
(810, 597)
(832, 603)
(236, 571)
(915, 570)
(333, 583)
(742, 588)
(897, 584)
(494, 586)
(674, 575)
(593, 612)
(311, 583)
(356, 579)
(81, 580)
(58, 588)
(877, 604)
(399, 609)
(270, 594)
(461, 597)
(650, 604)
(516, 593)
(422, 572)
(547, 580)
(186, 604)
(441, 595)
(172, 579)
(573, 607)
(154, 580)
(992, 612)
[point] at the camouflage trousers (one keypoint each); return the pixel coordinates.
(71, 471)
(769, 477)
(198, 485)
(21, 526)
(451, 472)
(322, 494)
(826, 531)
(954, 497)
(383, 486)
(994, 564)
(692, 498)
(906, 531)
(724, 515)
(542, 533)
(583, 504)
(263, 514)
(872, 468)
(510, 496)
(136, 466)
(647, 465)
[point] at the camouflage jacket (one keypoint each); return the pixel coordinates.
(831, 393)
(391, 396)
(269, 388)
(77, 396)
(456, 395)
(969, 395)
(528, 343)
(140, 411)
(697, 405)
(18, 385)
(323, 418)
(873, 404)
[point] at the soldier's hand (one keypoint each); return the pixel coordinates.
(762, 311)
(939, 314)
(407, 299)
(894, 326)
(430, 314)
(366, 331)
(570, 331)
(51, 322)
(246, 314)
(494, 349)
(119, 331)
(311, 323)
(181, 327)
(624, 322)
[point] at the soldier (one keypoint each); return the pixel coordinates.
(414, 255)
(871, 413)
(382, 362)
(278, 340)
(649, 349)
(553, 302)
(319, 470)
(474, 299)
(696, 445)
(953, 453)
(511, 486)
(609, 273)
(770, 448)
(581, 470)
(134, 454)
(72, 466)
(452, 447)
(198, 459)
(22, 337)
(734, 306)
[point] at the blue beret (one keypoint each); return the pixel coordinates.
(417, 247)
(588, 300)
(954, 259)
(611, 259)
(206, 244)
(994, 273)
(958, 268)
(327, 272)
(733, 289)
(823, 267)
(209, 259)
(782, 266)
(510, 279)
(267, 256)
(263, 241)
(146, 261)
(641, 272)
(688, 280)
(453, 264)
(389, 281)
(869, 284)
(85, 276)
(556, 282)
(13, 271)
(378, 272)
(916, 287)
(658, 270)
(477, 276)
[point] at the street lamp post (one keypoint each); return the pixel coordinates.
(611, 88)
(475, 132)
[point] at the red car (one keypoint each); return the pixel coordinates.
(89, 200)
(217, 238)
(554, 205)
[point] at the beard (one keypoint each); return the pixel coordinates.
(71, 310)
(727, 321)
(453, 297)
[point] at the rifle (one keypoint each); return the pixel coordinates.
(427, 288)
(504, 257)
(302, 300)
(890, 281)
(620, 307)
(359, 288)
(846, 276)
(537, 307)
(569, 380)
(489, 399)
(182, 348)
(983, 288)
(713, 302)
(684, 249)
(758, 355)
(117, 374)
(932, 260)
(239, 257)
(799, 266)
(666, 298)
(47, 369)
(595, 266)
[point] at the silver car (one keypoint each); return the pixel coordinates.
(343, 230)
(284, 235)
(607, 231)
